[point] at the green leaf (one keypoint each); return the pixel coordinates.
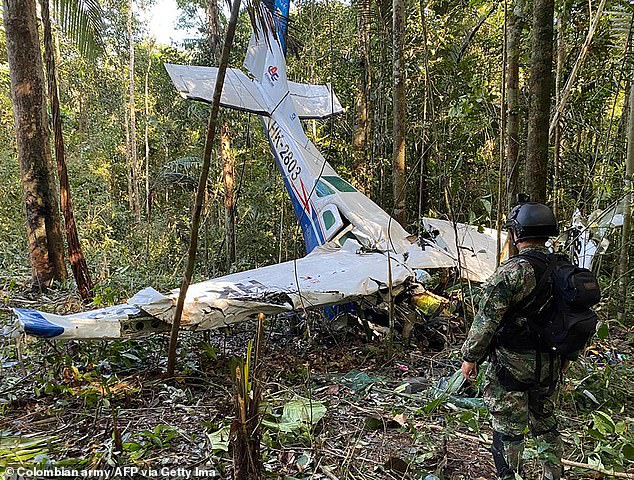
(358, 381)
(219, 439)
(603, 422)
(303, 410)
(304, 460)
(603, 331)
(82, 22)
(300, 413)
(373, 423)
(628, 451)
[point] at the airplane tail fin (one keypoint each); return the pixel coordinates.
(280, 11)
(265, 56)
(266, 62)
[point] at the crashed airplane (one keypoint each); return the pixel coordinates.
(355, 250)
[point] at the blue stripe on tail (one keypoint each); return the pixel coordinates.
(280, 10)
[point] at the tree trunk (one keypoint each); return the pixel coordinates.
(398, 112)
(429, 124)
(146, 97)
(561, 58)
(361, 123)
(502, 146)
(76, 255)
(513, 52)
(27, 94)
(228, 176)
(540, 88)
(624, 263)
(202, 186)
(226, 156)
(135, 205)
(213, 32)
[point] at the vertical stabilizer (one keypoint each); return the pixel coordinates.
(265, 61)
(280, 10)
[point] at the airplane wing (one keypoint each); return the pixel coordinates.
(198, 83)
(327, 276)
(314, 101)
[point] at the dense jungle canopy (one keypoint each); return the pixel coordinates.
(445, 101)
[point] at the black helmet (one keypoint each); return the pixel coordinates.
(532, 220)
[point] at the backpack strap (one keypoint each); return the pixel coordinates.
(533, 257)
(551, 261)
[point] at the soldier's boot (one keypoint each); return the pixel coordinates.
(551, 462)
(507, 454)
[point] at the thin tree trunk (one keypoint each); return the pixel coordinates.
(27, 94)
(126, 122)
(228, 176)
(540, 87)
(426, 144)
(578, 63)
(502, 164)
(146, 95)
(202, 186)
(133, 161)
(513, 52)
(213, 33)
(398, 112)
(226, 157)
(76, 255)
(561, 58)
(625, 275)
(361, 123)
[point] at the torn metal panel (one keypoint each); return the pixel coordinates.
(101, 323)
(477, 247)
(325, 277)
(587, 236)
(328, 276)
(427, 255)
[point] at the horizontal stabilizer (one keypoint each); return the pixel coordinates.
(198, 83)
(314, 101)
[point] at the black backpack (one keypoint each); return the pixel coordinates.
(559, 316)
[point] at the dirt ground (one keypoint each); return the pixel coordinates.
(99, 405)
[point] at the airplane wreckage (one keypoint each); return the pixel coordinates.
(355, 251)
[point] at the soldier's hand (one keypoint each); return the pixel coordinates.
(470, 370)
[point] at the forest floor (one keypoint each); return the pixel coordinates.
(335, 405)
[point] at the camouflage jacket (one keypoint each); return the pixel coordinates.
(513, 281)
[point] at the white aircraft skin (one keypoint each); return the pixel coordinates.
(354, 247)
(324, 203)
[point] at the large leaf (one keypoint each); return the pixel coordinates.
(219, 439)
(82, 22)
(16, 450)
(300, 413)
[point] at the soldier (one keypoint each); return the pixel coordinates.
(520, 379)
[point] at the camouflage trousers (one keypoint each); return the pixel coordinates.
(513, 411)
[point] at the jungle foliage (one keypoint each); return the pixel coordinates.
(453, 58)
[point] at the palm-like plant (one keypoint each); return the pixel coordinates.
(82, 22)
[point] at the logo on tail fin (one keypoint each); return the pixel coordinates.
(273, 75)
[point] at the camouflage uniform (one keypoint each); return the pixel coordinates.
(512, 411)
